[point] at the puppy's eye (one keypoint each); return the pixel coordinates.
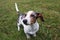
(32, 15)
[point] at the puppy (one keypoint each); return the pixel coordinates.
(29, 22)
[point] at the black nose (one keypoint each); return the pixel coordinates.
(25, 22)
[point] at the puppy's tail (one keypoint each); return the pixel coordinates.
(16, 7)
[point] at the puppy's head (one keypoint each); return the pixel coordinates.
(31, 17)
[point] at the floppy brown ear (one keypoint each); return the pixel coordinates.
(39, 15)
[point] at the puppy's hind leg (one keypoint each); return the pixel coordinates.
(18, 25)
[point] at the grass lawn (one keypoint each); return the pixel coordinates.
(49, 30)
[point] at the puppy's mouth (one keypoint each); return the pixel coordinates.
(25, 22)
(32, 20)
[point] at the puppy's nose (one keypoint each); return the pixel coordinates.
(25, 22)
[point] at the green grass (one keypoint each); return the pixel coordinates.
(50, 9)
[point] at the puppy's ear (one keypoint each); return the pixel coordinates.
(39, 15)
(25, 15)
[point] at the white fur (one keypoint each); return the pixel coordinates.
(28, 29)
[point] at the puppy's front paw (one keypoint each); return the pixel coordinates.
(34, 35)
(28, 36)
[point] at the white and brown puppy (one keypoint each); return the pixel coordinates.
(29, 22)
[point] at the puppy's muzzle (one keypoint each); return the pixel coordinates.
(25, 22)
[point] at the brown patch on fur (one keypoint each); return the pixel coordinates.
(33, 20)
